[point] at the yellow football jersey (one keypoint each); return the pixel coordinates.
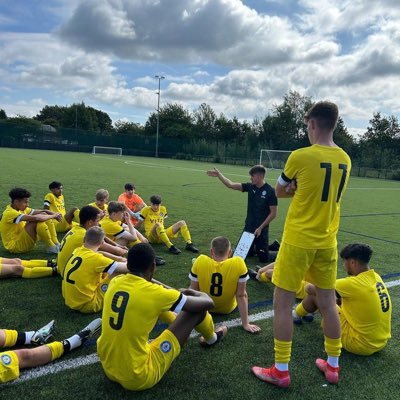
(112, 229)
(151, 217)
(94, 204)
(11, 226)
(219, 280)
(72, 240)
(131, 309)
(82, 276)
(367, 307)
(55, 204)
(322, 174)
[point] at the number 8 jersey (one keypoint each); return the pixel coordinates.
(322, 174)
(219, 279)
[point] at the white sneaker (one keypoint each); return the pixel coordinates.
(53, 249)
(43, 334)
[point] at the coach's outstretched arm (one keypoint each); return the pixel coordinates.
(227, 182)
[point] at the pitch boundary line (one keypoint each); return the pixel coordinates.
(90, 359)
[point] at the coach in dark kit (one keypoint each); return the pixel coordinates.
(262, 206)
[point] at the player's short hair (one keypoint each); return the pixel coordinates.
(357, 251)
(220, 245)
(94, 236)
(257, 169)
(129, 186)
(55, 185)
(19, 193)
(325, 113)
(155, 199)
(102, 194)
(88, 213)
(115, 206)
(141, 258)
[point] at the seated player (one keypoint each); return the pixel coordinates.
(101, 202)
(11, 362)
(88, 216)
(365, 307)
(21, 226)
(54, 201)
(88, 273)
(17, 268)
(118, 226)
(153, 217)
(132, 306)
(133, 202)
(224, 280)
(264, 274)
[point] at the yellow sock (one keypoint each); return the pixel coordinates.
(52, 230)
(333, 347)
(163, 236)
(57, 350)
(38, 272)
(168, 317)
(282, 351)
(264, 278)
(11, 337)
(300, 310)
(206, 327)
(42, 230)
(186, 234)
(34, 263)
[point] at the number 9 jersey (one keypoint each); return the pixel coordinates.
(321, 174)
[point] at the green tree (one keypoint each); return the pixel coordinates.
(3, 114)
(128, 128)
(204, 119)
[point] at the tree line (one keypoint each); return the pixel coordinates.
(282, 128)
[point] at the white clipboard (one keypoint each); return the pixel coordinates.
(245, 242)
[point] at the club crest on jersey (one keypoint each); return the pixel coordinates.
(165, 346)
(161, 214)
(5, 359)
(263, 193)
(104, 287)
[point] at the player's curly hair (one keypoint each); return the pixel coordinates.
(55, 185)
(357, 251)
(19, 193)
(88, 213)
(155, 199)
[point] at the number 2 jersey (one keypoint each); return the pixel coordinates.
(322, 174)
(219, 279)
(131, 309)
(367, 308)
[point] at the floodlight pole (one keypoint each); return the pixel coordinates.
(159, 77)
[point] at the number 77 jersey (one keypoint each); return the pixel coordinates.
(321, 174)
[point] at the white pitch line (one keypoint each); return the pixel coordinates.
(60, 366)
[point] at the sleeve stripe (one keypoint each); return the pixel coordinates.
(193, 277)
(17, 220)
(178, 305)
(338, 296)
(119, 234)
(244, 279)
(282, 182)
(46, 203)
(111, 268)
(244, 275)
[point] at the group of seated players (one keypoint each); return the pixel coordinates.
(107, 264)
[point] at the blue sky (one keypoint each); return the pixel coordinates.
(240, 57)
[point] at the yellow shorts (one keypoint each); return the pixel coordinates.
(22, 243)
(295, 264)
(156, 239)
(63, 225)
(163, 351)
(9, 366)
(301, 291)
(351, 341)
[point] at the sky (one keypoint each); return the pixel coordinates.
(239, 56)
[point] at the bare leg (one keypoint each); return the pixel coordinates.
(29, 358)
(283, 323)
(327, 306)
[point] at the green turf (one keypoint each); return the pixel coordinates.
(370, 207)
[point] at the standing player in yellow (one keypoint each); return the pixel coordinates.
(88, 273)
(54, 201)
(101, 202)
(365, 307)
(11, 362)
(224, 280)
(88, 216)
(132, 306)
(153, 217)
(21, 226)
(17, 268)
(316, 177)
